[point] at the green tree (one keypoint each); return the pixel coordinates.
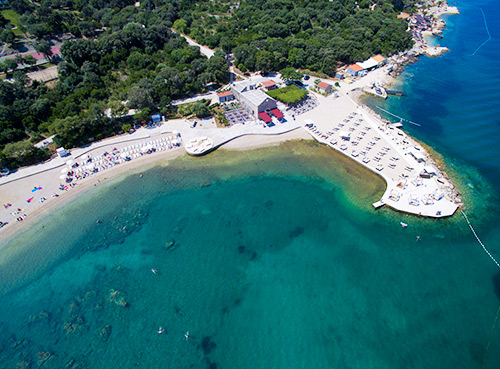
(200, 109)
(43, 48)
(180, 25)
(30, 60)
(290, 74)
(10, 64)
(140, 97)
(7, 36)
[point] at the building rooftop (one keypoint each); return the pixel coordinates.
(403, 15)
(243, 85)
(256, 97)
(323, 85)
(355, 67)
(367, 64)
(269, 83)
(225, 93)
(378, 58)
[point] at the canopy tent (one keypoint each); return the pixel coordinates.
(276, 112)
(265, 117)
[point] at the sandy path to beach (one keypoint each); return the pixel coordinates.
(19, 191)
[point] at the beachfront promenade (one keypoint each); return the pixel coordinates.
(336, 122)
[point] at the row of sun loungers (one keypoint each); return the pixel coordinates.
(91, 165)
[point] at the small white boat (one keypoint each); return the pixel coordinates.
(160, 330)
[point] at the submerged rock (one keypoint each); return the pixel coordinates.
(205, 183)
(170, 244)
(42, 316)
(23, 365)
(105, 332)
(117, 298)
(43, 356)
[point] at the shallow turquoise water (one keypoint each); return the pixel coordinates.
(275, 262)
(266, 271)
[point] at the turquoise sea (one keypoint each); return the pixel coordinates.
(274, 258)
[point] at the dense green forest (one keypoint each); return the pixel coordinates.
(114, 51)
(138, 59)
(317, 35)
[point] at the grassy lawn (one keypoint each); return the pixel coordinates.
(13, 18)
(289, 94)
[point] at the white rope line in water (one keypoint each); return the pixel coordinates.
(487, 30)
(478, 240)
(397, 116)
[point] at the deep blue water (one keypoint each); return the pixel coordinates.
(275, 258)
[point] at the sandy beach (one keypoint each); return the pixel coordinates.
(18, 191)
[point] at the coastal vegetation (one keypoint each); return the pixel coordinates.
(134, 61)
(289, 94)
(269, 35)
(118, 56)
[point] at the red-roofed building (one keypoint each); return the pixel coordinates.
(324, 87)
(403, 15)
(354, 69)
(225, 96)
(379, 59)
(269, 85)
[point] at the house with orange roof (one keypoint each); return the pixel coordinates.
(269, 85)
(354, 69)
(403, 15)
(324, 87)
(225, 96)
(379, 59)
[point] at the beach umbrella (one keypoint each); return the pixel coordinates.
(62, 176)
(84, 157)
(124, 154)
(69, 162)
(64, 170)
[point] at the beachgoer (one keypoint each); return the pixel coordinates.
(186, 336)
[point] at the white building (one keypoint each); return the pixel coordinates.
(254, 99)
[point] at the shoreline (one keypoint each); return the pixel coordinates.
(11, 189)
(12, 192)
